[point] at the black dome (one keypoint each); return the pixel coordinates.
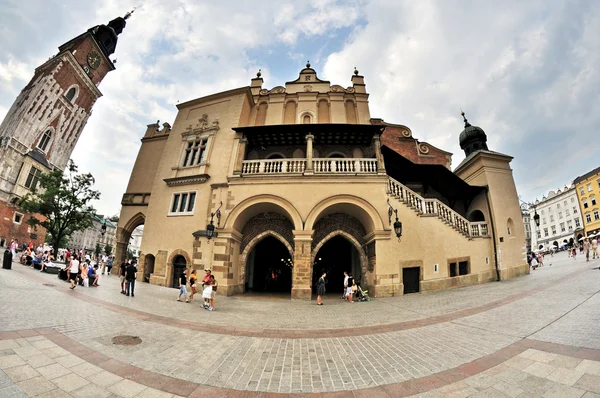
(472, 138)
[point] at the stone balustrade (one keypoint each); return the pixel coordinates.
(320, 166)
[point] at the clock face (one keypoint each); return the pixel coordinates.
(94, 59)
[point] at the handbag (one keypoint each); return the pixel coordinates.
(354, 288)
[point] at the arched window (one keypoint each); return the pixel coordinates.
(43, 144)
(70, 94)
(336, 155)
(510, 225)
(306, 119)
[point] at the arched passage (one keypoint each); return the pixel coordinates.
(125, 228)
(476, 216)
(335, 253)
(268, 265)
(179, 264)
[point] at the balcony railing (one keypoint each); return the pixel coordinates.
(320, 166)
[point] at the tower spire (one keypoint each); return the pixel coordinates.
(467, 124)
(129, 13)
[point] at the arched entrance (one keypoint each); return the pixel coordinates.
(125, 238)
(336, 255)
(269, 267)
(476, 216)
(148, 267)
(179, 264)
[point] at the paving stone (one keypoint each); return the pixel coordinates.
(106, 379)
(481, 381)
(7, 344)
(10, 361)
(592, 367)
(512, 376)
(539, 356)
(36, 386)
(489, 393)
(43, 343)
(590, 395)
(19, 373)
(519, 362)
(25, 352)
(39, 361)
(68, 361)
(539, 369)
(52, 371)
(562, 361)
(58, 393)
(70, 382)
(86, 369)
(12, 392)
(565, 376)
(126, 388)
(564, 392)
(91, 391)
(508, 389)
(589, 382)
(153, 393)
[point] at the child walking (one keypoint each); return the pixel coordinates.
(182, 286)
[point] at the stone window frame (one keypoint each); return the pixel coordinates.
(206, 152)
(577, 223)
(48, 134)
(20, 215)
(180, 194)
(596, 214)
(75, 95)
(589, 187)
(588, 217)
(457, 261)
(33, 178)
(311, 114)
(593, 199)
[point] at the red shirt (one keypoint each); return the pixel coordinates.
(206, 280)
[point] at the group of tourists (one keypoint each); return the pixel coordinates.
(209, 288)
(80, 271)
(350, 287)
(127, 277)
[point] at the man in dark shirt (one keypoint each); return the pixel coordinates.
(130, 275)
(182, 286)
(122, 271)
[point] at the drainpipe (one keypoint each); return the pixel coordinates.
(487, 199)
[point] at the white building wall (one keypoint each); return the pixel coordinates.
(560, 216)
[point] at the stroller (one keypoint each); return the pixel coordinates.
(361, 295)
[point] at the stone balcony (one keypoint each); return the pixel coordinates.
(319, 166)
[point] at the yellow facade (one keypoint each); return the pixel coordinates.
(302, 164)
(588, 193)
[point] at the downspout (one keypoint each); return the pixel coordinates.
(487, 199)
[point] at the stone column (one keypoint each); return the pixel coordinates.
(377, 147)
(241, 153)
(302, 272)
(120, 255)
(309, 154)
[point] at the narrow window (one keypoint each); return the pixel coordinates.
(175, 203)
(463, 268)
(191, 202)
(33, 178)
(45, 140)
(183, 202)
(70, 94)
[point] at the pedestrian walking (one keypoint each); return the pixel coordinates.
(349, 289)
(586, 249)
(109, 264)
(595, 251)
(193, 286)
(344, 296)
(183, 287)
(130, 276)
(321, 288)
(213, 286)
(14, 244)
(104, 261)
(73, 271)
(122, 272)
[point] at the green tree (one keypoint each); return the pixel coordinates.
(108, 249)
(98, 250)
(62, 199)
(130, 255)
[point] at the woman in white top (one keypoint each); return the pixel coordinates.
(73, 270)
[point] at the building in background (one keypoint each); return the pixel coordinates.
(560, 217)
(527, 223)
(588, 193)
(135, 243)
(45, 122)
(89, 238)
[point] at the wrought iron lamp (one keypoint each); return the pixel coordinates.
(210, 228)
(103, 229)
(397, 224)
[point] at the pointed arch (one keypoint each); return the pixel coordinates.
(254, 205)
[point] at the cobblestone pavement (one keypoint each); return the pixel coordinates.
(441, 332)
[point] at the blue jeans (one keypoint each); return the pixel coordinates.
(130, 286)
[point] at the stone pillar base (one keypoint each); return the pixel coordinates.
(301, 293)
(157, 280)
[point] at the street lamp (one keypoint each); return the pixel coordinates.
(397, 224)
(103, 229)
(210, 228)
(536, 216)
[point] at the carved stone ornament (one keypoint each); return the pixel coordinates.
(263, 92)
(350, 90)
(203, 126)
(187, 180)
(406, 133)
(423, 148)
(308, 88)
(337, 89)
(278, 90)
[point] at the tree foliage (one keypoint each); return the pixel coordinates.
(108, 249)
(63, 200)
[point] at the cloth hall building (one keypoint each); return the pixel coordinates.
(300, 179)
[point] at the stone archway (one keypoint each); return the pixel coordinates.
(149, 260)
(174, 255)
(125, 228)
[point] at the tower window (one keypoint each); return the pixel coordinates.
(45, 140)
(33, 178)
(195, 152)
(306, 119)
(71, 94)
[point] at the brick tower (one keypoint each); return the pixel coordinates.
(44, 123)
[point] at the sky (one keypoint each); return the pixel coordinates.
(527, 72)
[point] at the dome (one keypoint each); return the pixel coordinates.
(471, 133)
(472, 138)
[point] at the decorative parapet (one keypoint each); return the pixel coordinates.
(203, 126)
(135, 199)
(187, 180)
